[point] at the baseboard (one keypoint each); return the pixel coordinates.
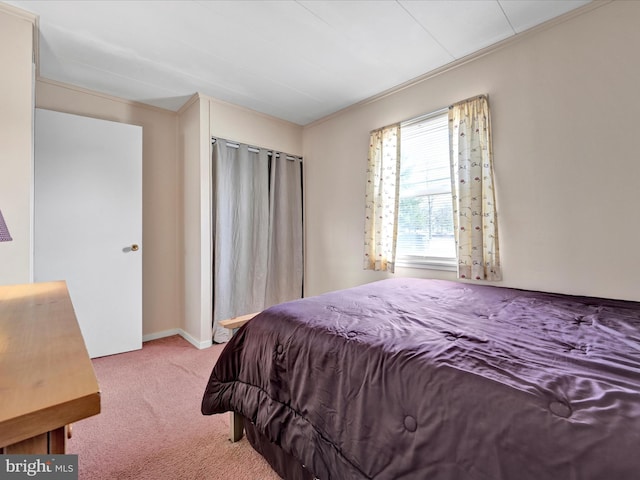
(163, 334)
(194, 342)
(177, 331)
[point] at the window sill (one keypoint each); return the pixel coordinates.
(428, 263)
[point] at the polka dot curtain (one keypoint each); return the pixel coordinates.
(474, 203)
(382, 198)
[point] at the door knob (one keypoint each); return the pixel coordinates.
(134, 247)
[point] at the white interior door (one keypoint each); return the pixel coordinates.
(88, 223)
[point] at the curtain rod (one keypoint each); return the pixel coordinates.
(431, 114)
(486, 97)
(257, 150)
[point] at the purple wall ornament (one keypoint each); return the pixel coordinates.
(4, 231)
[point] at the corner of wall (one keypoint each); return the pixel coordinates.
(16, 144)
(194, 165)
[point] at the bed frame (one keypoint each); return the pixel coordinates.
(236, 421)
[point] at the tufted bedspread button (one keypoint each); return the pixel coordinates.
(410, 423)
(279, 348)
(560, 409)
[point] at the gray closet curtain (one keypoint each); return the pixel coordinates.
(285, 267)
(257, 231)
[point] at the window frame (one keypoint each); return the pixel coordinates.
(420, 261)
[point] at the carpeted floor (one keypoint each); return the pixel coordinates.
(151, 427)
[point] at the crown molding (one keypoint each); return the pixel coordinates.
(106, 96)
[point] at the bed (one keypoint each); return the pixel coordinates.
(428, 379)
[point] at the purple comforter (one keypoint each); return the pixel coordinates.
(427, 379)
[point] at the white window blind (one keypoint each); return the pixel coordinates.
(425, 217)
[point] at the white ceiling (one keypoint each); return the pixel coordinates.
(298, 60)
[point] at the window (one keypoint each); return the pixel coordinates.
(410, 216)
(425, 216)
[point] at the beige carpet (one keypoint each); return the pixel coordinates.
(151, 427)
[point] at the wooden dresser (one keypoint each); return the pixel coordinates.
(46, 377)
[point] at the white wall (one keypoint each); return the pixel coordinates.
(16, 158)
(240, 124)
(192, 131)
(564, 103)
(199, 119)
